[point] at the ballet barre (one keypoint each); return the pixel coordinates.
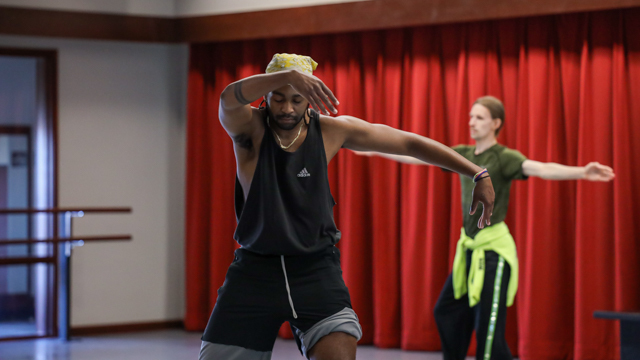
(65, 242)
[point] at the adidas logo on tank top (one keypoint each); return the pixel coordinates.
(304, 173)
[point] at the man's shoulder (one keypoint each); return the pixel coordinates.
(337, 123)
(508, 154)
(340, 119)
(463, 149)
(507, 151)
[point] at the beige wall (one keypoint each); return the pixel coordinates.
(167, 7)
(122, 143)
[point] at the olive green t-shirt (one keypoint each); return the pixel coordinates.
(504, 165)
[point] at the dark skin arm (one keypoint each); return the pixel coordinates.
(355, 134)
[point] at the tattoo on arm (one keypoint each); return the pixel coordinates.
(237, 90)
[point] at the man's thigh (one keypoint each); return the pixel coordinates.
(321, 301)
(249, 309)
(335, 346)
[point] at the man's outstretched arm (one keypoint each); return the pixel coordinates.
(551, 171)
(398, 158)
(360, 135)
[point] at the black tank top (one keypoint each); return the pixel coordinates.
(289, 209)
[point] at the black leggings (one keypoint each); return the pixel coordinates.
(456, 320)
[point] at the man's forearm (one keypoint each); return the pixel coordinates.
(248, 90)
(398, 158)
(438, 154)
(553, 171)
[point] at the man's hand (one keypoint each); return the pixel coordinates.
(483, 193)
(315, 91)
(597, 172)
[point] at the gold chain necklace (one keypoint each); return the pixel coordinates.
(278, 137)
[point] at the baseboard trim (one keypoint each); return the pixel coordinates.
(126, 328)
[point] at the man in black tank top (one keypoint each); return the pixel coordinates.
(288, 268)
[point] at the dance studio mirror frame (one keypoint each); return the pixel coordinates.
(41, 160)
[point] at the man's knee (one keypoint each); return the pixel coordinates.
(334, 346)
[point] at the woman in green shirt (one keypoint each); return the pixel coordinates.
(485, 266)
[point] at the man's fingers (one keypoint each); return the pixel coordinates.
(313, 103)
(487, 212)
(332, 98)
(322, 100)
(318, 100)
(474, 206)
(327, 103)
(606, 174)
(484, 218)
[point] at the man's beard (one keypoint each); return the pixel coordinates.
(287, 126)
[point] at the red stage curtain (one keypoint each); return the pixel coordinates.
(570, 85)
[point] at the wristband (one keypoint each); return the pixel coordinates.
(477, 176)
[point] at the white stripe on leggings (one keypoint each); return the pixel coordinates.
(494, 310)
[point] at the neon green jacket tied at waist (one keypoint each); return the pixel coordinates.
(496, 238)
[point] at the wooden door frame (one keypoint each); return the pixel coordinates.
(48, 86)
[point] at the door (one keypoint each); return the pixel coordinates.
(27, 169)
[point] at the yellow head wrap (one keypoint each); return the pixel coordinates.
(291, 61)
